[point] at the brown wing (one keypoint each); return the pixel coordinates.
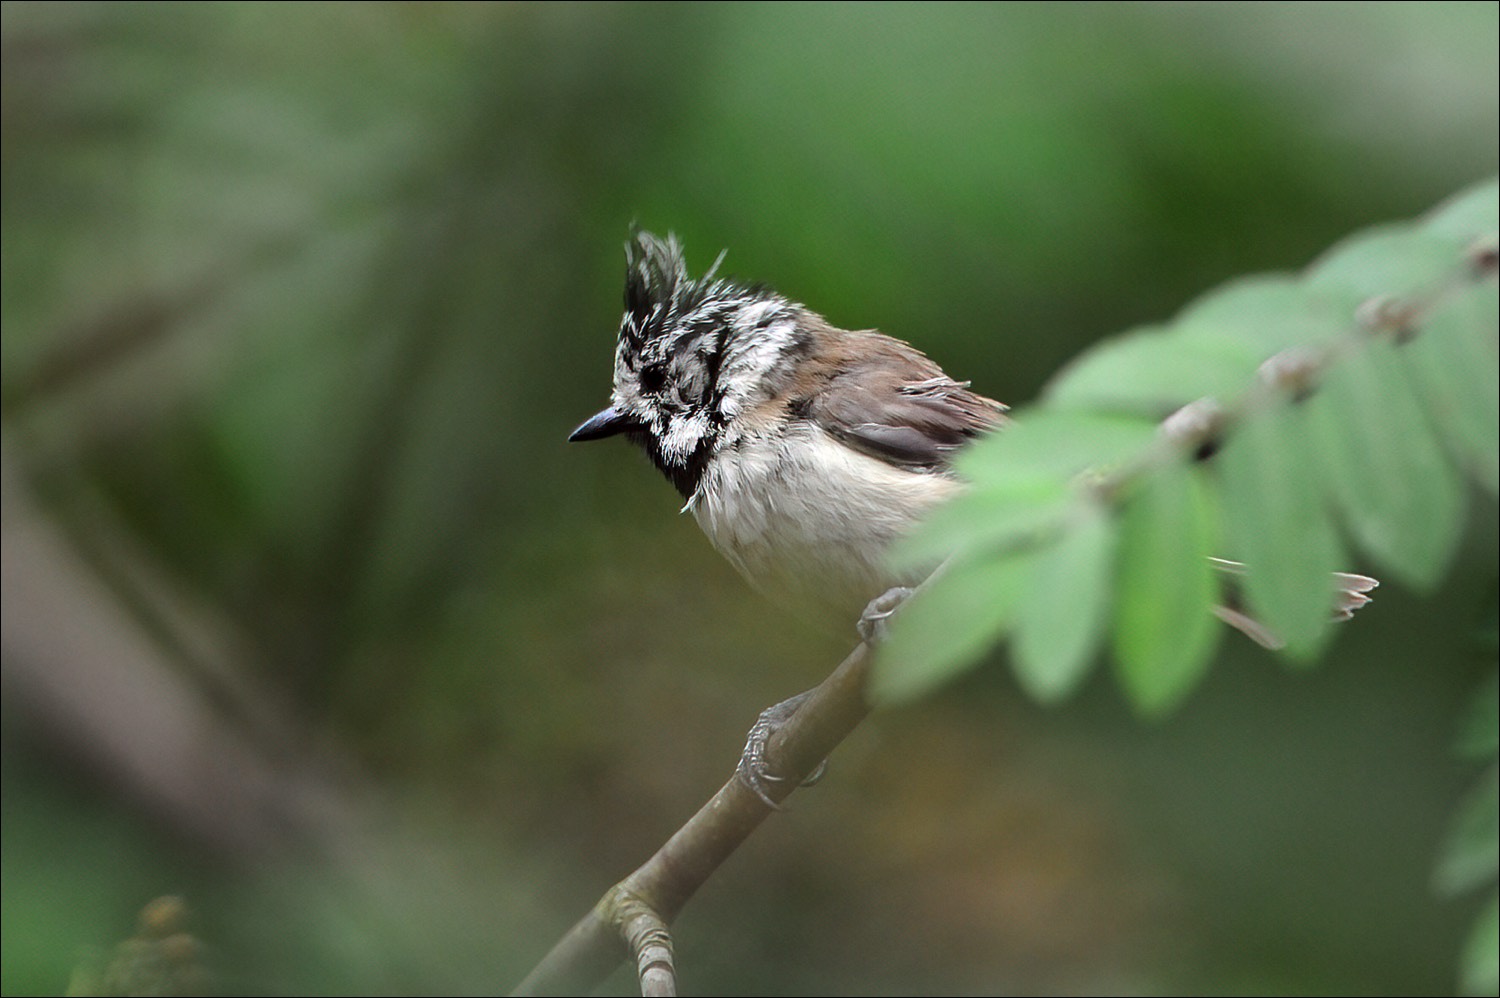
(883, 398)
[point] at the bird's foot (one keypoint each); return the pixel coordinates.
(753, 770)
(874, 623)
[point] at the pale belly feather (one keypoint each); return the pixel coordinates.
(808, 521)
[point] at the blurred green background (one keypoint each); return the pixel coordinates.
(311, 615)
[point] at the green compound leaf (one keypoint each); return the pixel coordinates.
(1396, 331)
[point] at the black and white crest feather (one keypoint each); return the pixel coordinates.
(691, 354)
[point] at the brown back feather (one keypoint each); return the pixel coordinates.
(884, 398)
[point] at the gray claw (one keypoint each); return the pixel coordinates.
(874, 623)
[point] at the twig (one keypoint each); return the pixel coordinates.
(666, 882)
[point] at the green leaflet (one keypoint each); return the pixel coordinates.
(1278, 524)
(1470, 214)
(1480, 962)
(1454, 364)
(949, 625)
(1151, 372)
(987, 521)
(1398, 261)
(1456, 355)
(1479, 734)
(1164, 631)
(1265, 314)
(1063, 612)
(1471, 854)
(1054, 445)
(1022, 482)
(1384, 468)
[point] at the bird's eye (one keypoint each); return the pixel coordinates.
(653, 379)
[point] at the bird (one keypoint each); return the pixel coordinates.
(803, 450)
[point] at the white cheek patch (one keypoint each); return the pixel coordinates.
(763, 331)
(684, 434)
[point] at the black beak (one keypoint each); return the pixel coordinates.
(605, 424)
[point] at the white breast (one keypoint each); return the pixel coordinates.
(808, 521)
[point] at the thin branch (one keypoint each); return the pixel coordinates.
(650, 941)
(669, 879)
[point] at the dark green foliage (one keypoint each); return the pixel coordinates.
(1470, 858)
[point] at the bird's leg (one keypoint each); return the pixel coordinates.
(753, 769)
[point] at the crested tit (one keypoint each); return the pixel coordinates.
(803, 450)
